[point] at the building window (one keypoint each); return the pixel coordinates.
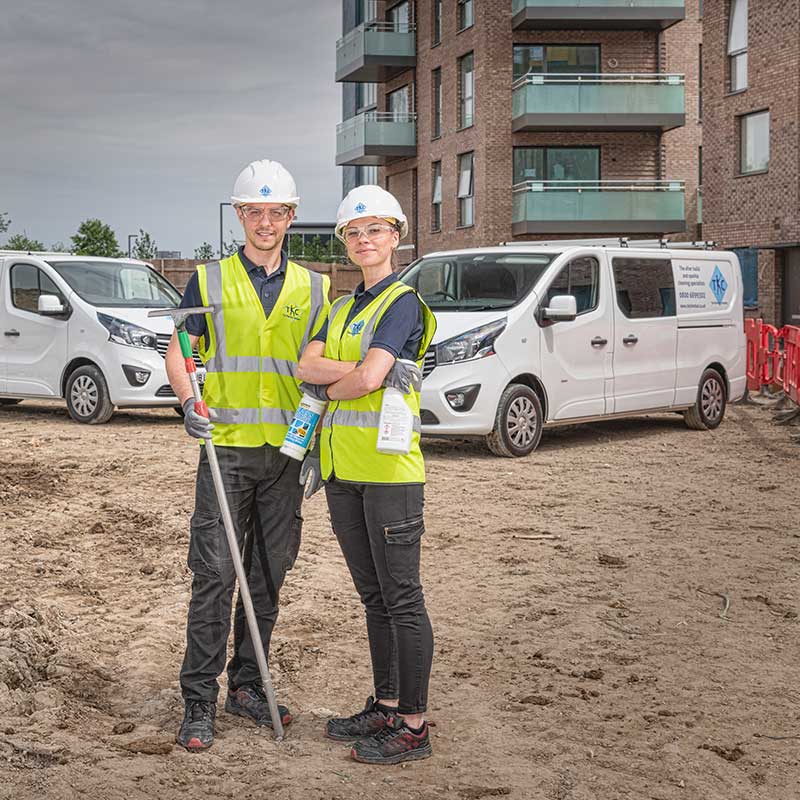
(748, 261)
(436, 102)
(556, 164)
(700, 83)
(436, 196)
(398, 104)
(366, 96)
(754, 142)
(558, 58)
(400, 17)
(466, 190)
(366, 175)
(437, 22)
(737, 45)
(366, 11)
(466, 14)
(466, 90)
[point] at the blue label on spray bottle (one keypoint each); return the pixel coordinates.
(302, 427)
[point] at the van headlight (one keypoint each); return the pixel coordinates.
(123, 332)
(477, 343)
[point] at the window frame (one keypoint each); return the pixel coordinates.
(467, 198)
(436, 23)
(617, 289)
(738, 53)
(462, 124)
(436, 205)
(544, 45)
(409, 104)
(39, 272)
(436, 103)
(568, 266)
(546, 148)
(741, 120)
(461, 6)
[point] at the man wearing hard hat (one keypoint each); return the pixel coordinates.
(266, 309)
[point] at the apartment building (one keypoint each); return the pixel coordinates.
(513, 120)
(751, 147)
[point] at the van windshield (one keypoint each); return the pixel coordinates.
(117, 284)
(476, 282)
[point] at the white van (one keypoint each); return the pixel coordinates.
(531, 336)
(77, 327)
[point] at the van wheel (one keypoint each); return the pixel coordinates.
(87, 396)
(707, 413)
(9, 401)
(518, 423)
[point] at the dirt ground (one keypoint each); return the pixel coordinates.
(591, 662)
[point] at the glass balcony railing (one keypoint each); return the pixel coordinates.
(375, 138)
(597, 14)
(617, 207)
(612, 101)
(375, 51)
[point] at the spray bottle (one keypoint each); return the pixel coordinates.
(304, 424)
(396, 422)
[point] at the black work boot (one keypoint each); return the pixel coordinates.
(251, 702)
(363, 723)
(394, 744)
(197, 728)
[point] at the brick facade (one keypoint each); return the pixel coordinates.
(761, 210)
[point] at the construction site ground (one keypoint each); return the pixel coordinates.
(616, 616)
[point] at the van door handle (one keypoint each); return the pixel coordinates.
(11, 333)
(630, 339)
(599, 341)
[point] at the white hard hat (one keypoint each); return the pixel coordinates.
(265, 181)
(370, 201)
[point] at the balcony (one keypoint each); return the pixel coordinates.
(375, 138)
(618, 207)
(374, 52)
(612, 102)
(597, 14)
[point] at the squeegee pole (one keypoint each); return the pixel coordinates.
(230, 532)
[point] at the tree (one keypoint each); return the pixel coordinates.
(231, 246)
(5, 222)
(295, 245)
(145, 248)
(315, 250)
(58, 247)
(95, 238)
(20, 241)
(204, 252)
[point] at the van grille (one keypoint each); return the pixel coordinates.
(165, 391)
(429, 364)
(162, 343)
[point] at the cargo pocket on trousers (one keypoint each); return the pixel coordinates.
(402, 550)
(205, 544)
(295, 535)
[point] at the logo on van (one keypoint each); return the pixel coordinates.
(356, 328)
(718, 285)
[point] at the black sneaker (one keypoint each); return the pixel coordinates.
(251, 702)
(197, 728)
(394, 744)
(364, 723)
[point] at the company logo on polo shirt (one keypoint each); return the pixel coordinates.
(292, 312)
(265, 191)
(356, 328)
(360, 208)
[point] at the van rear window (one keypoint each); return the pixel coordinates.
(645, 287)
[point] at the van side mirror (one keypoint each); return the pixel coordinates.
(50, 306)
(562, 308)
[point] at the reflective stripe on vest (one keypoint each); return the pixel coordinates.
(251, 360)
(350, 428)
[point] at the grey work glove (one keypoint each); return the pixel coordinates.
(197, 426)
(311, 471)
(404, 375)
(315, 390)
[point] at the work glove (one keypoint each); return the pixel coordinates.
(404, 375)
(311, 471)
(315, 390)
(197, 426)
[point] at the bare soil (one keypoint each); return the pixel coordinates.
(616, 616)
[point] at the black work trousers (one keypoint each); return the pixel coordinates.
(379, 528)
(265, 496)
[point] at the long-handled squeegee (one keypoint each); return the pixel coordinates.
(179, 316)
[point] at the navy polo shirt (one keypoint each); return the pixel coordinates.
(400, 329)
(267, 287)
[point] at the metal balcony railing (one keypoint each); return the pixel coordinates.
(376, 137)
(376, 51)
(597, 14)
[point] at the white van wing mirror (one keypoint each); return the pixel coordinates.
(562, 308)
(49, 305)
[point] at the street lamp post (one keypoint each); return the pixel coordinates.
(131, 236)
(221, 254)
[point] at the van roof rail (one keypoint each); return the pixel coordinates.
(621, 241)
(36, 253)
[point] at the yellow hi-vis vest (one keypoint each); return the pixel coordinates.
(350, 428)
(251, 359)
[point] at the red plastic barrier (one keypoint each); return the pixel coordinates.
(791, 372)
(751, 331)
(773, 357)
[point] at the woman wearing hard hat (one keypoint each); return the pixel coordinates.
(376, 498)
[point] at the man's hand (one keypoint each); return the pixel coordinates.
(403, 376)
(315, 390)
(311, 471)
(197, 426)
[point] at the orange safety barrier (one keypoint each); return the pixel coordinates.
(791, 372)
(773, 357)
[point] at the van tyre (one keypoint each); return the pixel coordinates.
(87, 396)
(517, 424)
(707, 413)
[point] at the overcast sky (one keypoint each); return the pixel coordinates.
(143, 113)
